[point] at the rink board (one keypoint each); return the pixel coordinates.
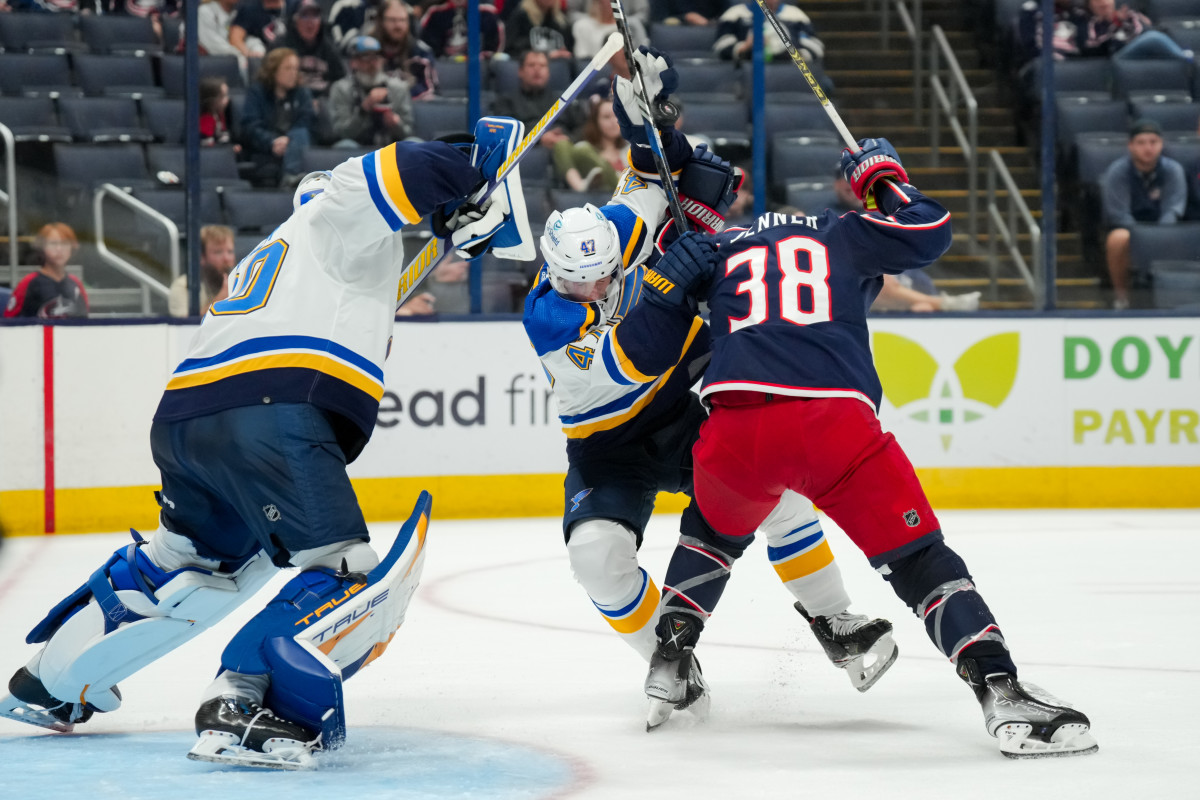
(1007, 412)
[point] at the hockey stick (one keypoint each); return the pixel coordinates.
(435, 250)
(799, 61)
(643, 98)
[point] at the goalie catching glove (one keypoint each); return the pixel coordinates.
(877, 159)
(661, 80)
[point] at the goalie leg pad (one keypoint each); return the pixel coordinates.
(324, 626)
(800, 554)
(129, 613)
(495, 140)
(603, 556)
(935, 584)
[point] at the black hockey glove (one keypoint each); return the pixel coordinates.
(685, 270)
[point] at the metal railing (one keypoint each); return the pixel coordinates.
(947, 99)
(9, 198)
(1005, 225)
(146, 283)
(911, 22)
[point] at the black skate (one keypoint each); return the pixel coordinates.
(675, 681)
(28, 701)
(863, 647)
(240, 732)
(1029, 722)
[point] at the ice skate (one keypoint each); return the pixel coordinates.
(675, 680)
(863, 647)
(240, 732)
(28, 701)
(1029, 722)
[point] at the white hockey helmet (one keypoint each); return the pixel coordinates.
(583, 255)
(310, 186)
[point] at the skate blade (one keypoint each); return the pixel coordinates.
(660, 712)
(1068, 740)
(884, 653)
(12, 708)
(216, 747)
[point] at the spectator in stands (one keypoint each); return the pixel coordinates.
(1143, 187)
(533, 97)
(634, 9)
(1122, 33)
(368, 107)
(591, 30)
(217, 260)
(405, 56)
(50, 293)
(278, 120)
(735, 32)
(422, 304)
(687, 12)
(213, 19)
(351, 18)
(1067, 21)
(214, 112)
(595, 162)
(444, 29)
(257, 26)
(320, 62)
(540, 25)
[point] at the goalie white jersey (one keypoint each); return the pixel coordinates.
(600, 373)
(310, 312)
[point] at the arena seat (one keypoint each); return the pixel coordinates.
(32, 119)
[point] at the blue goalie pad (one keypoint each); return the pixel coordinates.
(324, 626)
(495, 140)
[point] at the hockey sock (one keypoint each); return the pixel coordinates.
(700, 566)
(805, 564)
(935, 584)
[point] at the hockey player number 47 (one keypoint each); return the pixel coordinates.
(795, 277)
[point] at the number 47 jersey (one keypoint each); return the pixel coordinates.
(788, 304)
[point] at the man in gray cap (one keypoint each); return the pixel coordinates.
(1144, 187)
(368, 107)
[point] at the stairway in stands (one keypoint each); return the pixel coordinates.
(874, 96)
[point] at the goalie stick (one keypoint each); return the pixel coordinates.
(656, 146)
(435, 250)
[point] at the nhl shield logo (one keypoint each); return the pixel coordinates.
(272, 513)
(911, 518)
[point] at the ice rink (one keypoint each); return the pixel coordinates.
(505, 682)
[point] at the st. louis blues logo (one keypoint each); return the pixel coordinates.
(588, 247)
(577, 499)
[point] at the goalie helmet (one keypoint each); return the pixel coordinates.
(310, 186)
(583, 255)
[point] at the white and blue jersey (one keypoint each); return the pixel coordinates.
(613, 386)
(310, 312)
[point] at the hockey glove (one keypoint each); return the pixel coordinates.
(661, 81)
(470, 227)
(877, 159)
(685, 269)
(708, 186)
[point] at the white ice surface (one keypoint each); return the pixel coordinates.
(505, 682)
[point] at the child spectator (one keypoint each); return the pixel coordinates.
(214, 112)
(50, 293)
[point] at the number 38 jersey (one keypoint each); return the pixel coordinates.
(310, 311)
(790, 296)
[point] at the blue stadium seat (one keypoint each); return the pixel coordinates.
(783, 83)
(1174, 117)
(38, 33)
(434, 118)
(218, 165)
(536, 169)
(504, 78)
(256, 211)
(210, 66)
(115, 34)
(1078, 115)
(164, 117)
(1172, 252)
(36, 74)
(103, 119)
(1165, 78)
(799, 159)
(722, 122)
(709, 80)
(1085, 76)
(116, 75)
(1160, 10)
(797, 119)
(318, 158)
(1094, 152)
(811, 197)
(32, 119)
(684, 41)
(1183, 148)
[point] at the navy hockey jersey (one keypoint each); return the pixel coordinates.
(789, 299)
